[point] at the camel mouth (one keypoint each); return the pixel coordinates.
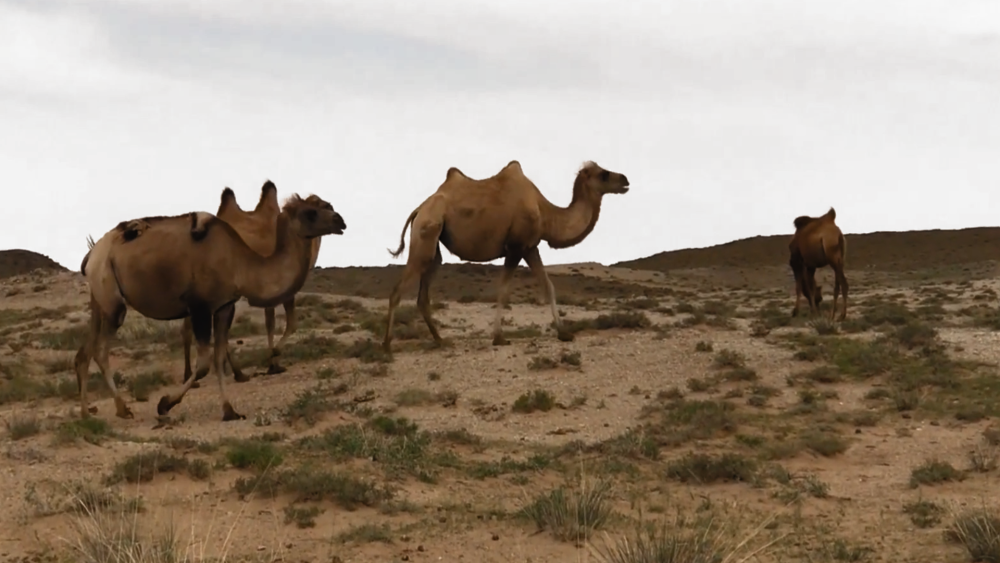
(337, 231)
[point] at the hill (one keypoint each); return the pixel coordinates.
(880, 251)
(18, 262)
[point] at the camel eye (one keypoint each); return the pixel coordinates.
(605, 176)
(310, 215)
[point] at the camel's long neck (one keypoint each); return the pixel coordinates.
(568, 226)
(269, 281)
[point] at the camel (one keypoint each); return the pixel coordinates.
(817, 243)
(193, 265)
(504, 216)
(257, 229)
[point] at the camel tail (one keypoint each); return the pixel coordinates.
(402, 236)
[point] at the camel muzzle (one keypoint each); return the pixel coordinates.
(339, 226)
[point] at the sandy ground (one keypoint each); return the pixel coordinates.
(460, 517)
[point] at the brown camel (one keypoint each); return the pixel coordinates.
(817, 243)
(257, 229)
(504, 216)
(192, 265)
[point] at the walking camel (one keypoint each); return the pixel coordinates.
(257, 228)
(503, 216)
(193, 265)
(817, 243)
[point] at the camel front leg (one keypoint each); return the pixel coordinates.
(187, 338)
(534, 260)
(222, 320)
(201, 326)
(238, 374)
(424, 296)
(509, 267)
(798, 293)
(273, 367)
(809, 288)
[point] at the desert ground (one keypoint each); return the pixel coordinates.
(690, 420)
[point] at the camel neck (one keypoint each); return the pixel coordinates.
(271, 280)
(568, 226)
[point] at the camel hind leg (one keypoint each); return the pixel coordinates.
(534, 260)
(424, 234)
(102, 328)
(83, 356)
(424, 297)
(841, 285)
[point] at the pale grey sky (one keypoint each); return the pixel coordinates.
(730, 117)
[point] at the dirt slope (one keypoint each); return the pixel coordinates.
(891, 251)
(18, 262)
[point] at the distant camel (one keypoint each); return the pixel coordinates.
(257, 228)
(817, 242)
(504, 216)
(193, 265)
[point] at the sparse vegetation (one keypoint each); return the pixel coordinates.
(692, 392)
(571, 515)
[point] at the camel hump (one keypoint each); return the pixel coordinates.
(452, 172)
(831, 214)
(228, 197)
(200, 222)
(802, 221)
(512, 166)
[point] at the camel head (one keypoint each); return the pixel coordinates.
(313, 217)
(600, 181)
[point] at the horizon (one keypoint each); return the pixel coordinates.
(729, 120)
(602, 264)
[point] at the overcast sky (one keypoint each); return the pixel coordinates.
(730, 117)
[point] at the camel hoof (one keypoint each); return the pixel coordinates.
(565, 336)
(499, 340)
(241, 377)
(164, 406)
(229, 413)
(275, 369)
(125, 413)
(92, 409)
(200, 375)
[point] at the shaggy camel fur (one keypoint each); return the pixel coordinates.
(817, 243)
(257, 228)
(193, 265)
(504, 216)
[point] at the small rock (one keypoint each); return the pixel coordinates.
(496, 537)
